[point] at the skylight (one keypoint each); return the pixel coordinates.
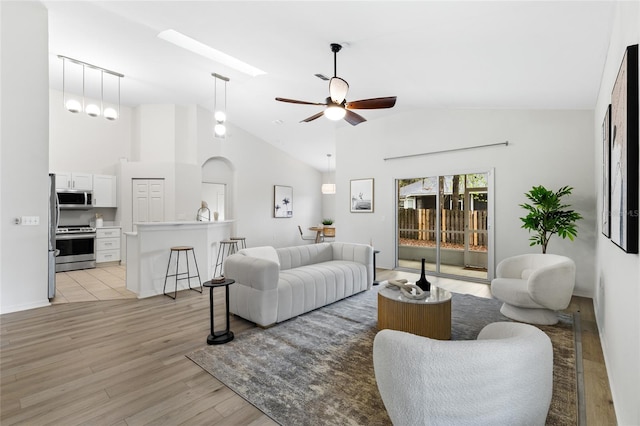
(188, 43)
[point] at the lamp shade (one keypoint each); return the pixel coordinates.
(73, 106)
(219, 130)
(335, 112)
(338, 89)
(328, 188)
(110, 113)
(92, 110)
(220, 116)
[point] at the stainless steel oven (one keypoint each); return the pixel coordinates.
(77, 246)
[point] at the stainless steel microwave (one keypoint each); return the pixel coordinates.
(75, 199)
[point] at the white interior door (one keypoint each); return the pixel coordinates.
(148, 200)
(156, 200)
(140, 200)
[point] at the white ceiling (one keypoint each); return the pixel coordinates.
(450, 54)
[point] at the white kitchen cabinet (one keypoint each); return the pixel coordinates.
(104, 191)
(72, 180)
(108, 244)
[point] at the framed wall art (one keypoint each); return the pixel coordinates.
(606, 173)
(362, 195)
(624, 154)
(282, 201)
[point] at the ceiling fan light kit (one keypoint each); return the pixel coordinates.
(337, 107)
(335, 112)
(338, 89)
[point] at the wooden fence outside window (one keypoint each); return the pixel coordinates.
(420, 224)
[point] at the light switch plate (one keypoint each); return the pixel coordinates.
(30, 220)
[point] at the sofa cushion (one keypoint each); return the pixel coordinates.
(305, 288)
(293, 257)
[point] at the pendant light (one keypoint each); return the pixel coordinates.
(92, 109)
(220, 116)
(329, 188)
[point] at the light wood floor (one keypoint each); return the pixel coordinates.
(121, 362)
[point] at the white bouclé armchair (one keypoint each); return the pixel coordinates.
(534, 286)
(505, 377)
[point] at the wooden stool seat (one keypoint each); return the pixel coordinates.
(181, 275)
(242, 241)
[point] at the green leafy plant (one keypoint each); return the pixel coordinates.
(327, 222)
(548, 216)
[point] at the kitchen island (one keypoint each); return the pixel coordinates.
(148, 252)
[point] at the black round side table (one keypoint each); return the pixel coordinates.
(219, 337)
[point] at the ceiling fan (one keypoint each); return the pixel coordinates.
(337, 107)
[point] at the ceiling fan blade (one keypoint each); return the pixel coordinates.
(375, 103)
(338, 89)
(313, 117)
(293, 101)
(353, 118)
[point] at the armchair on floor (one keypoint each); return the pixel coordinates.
(505, 377)
(534, 286)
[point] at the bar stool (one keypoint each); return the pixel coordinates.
(231, 246)
(242, 241)
(178, 250)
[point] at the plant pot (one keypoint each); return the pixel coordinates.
(329, 231)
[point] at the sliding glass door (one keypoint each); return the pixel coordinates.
(444, 220)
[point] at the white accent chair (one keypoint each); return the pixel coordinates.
(534, 286)
(505, 377)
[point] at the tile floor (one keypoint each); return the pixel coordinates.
(101, 283)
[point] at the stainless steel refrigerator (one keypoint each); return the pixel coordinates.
(54, 215)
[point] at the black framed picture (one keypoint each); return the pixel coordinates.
(624, 154)
(606, 173)
(282, 201)
(362, 195)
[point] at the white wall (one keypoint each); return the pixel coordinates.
(617, 294)
(155, 133)
(24, 160)
(329, 200)
(258, 167)
(80, 143)
(550, 148)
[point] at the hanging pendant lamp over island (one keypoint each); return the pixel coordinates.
(93, 110)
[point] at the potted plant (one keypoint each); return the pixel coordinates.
(548, 216)
(327, 229)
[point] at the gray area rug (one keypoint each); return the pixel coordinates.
(317, 369)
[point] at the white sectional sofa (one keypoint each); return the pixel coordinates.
(273, 285)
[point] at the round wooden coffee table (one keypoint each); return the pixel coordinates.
(430, 317)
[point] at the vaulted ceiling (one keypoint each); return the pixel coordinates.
(448, 54)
